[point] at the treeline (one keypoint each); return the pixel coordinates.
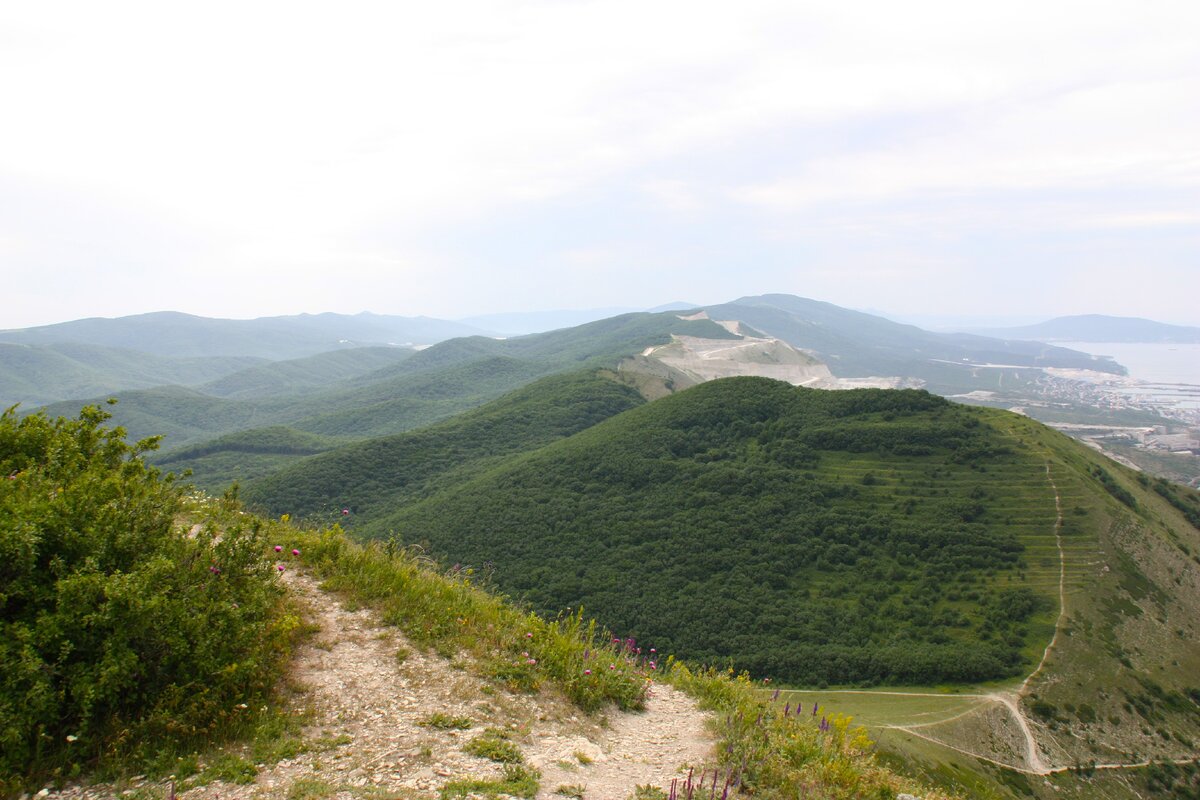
(717, 524)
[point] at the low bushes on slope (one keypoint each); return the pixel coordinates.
(119, 634)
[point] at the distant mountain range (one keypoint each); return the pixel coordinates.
(249, 365)
(170, 333)
(1097, 328)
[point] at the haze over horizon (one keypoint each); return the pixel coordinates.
(932, 159)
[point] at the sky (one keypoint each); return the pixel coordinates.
(242, 159)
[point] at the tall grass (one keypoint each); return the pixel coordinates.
(769, 750)
(449, 613)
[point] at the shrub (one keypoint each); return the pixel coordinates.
(116, 629)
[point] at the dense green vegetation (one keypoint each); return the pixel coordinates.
(36, 374)
(298, 375)
(119, 636)
(846, 537)
(429, 386)
(373, 477)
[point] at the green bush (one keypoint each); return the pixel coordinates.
(119, 633)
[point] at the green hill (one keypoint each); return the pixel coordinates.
(297, 376)
(372, 477)
(841, 537)
(38, 374)
(424, 388)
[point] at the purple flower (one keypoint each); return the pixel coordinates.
(278, 548)
(295, 552)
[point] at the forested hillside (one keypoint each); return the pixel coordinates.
(372, 478)
(431, 385)
(859, 536)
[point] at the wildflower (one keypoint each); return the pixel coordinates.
(775, 696)
(528, 635)
(278, 548)
(295, 552)
(531, 661)
(345, 511)
(787, 709)
(814, 709)
(279, 567)
(612, 666)
(72, 737)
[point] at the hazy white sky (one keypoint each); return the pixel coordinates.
(245, 159)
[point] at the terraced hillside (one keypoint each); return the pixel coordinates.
(1025, 607)
(850, 536)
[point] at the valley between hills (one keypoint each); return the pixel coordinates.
(760, 486)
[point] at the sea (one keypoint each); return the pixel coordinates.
(1168, 372)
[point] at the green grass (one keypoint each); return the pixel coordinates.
(450, 614)
(495, 746)
(446, 722)
(874, 710)
(518, 781)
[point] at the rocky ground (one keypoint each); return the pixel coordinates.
(389, 721)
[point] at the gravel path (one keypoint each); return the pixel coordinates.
(369, 691)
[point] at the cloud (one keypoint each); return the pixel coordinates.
(250, 139)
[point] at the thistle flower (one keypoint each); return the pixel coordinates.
(278, 548)
(280, 567)
(295, 552)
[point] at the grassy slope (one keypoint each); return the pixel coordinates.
(1119, 685)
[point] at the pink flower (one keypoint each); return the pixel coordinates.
(295, 552)
(531, 661)
(587, 672)
(278, 548)
(279, 567)
(529, 636)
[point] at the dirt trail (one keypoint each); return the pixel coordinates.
(369, 691)
(361, 692)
